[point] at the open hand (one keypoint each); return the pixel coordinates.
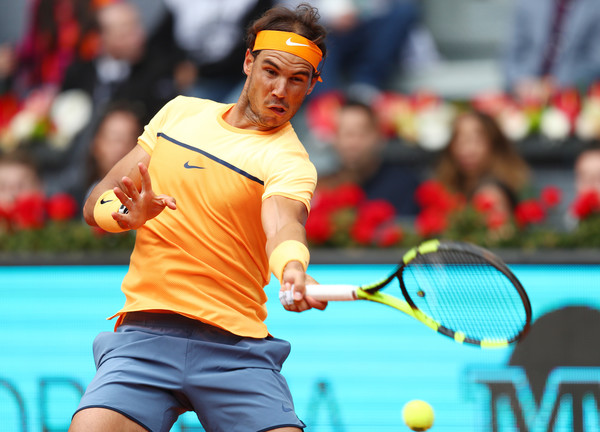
(142, 205)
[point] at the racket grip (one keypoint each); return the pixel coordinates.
(332, 292)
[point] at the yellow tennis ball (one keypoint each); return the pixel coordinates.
(418, 415)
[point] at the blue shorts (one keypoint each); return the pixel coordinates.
(157, 366)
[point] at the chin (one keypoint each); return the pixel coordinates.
(274, 122)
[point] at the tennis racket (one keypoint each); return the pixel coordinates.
(457, 289)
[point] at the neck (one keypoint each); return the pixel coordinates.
(242, 115)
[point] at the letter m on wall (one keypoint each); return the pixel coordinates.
(570, 401)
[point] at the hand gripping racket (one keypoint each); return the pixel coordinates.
(457, 289)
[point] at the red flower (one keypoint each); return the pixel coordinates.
(529, 212)
(389, 235)
(585, 204)
(483, 202)
(376, 212)
(363, 233)
(495, 219)
(322, 113)
(430, 222)
(388, 106)
(429, 193)
(319, 227)
(349, 195)
(28, 212)
(551, 196)
(343, 196)
(4, 213)
(492, 103)
(569, 102)
(61, 207)
(433, 194)
(9, 106)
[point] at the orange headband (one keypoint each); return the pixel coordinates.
(291, 43)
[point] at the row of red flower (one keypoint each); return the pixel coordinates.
(343, 216)
(33, 210)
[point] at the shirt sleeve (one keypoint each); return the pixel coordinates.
(291, 174)
(148, 138)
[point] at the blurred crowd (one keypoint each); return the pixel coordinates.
(87, 75)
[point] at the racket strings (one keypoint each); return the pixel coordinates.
(465, 293)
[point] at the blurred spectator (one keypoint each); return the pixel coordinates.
(587, 170)
(205, 39)
(365, 43)
(553, 43)
(18, 176)
(115, 136)
(8, 65)
(481, 161)
(359, 149)
(106, 140)
(124, 69)
(59, 32)
(586, 199)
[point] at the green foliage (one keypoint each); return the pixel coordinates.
(59, 237)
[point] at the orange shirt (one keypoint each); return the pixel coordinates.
(207, 259)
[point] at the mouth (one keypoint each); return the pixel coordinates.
(278, 109)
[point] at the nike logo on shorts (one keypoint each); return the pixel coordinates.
(286, 409)
(103, 201)
(290, 43)
(188, 166)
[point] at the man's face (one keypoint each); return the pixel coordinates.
(122, 33)
(16, 179)
(587, 172)
(357, 141)
(276, 86)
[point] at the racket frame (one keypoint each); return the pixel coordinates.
(372, 292)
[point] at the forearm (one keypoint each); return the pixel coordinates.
(290, 231)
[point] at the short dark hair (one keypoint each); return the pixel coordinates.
(367, 109)
(136, 109)
(304, 20)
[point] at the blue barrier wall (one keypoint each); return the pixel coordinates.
(351, 369)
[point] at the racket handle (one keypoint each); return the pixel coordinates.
(332, 292)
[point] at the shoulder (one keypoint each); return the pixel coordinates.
(191, 103)
(183, 107)
(288, 141)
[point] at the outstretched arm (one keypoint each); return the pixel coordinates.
(283, 221)
(130, 183)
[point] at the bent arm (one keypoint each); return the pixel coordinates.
(130, 183)
(283, 220)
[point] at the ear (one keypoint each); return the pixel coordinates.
(248, 62)
(312, 84)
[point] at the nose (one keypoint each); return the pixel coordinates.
(279, 88)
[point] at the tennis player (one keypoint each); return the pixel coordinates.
(218, 195)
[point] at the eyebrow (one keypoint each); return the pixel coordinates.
(271, 63)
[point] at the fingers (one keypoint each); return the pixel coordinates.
(316, 304)
(122, 220)
(130, 189)
(125, 200)
(168, 201)
(295, 301)
(146, 181)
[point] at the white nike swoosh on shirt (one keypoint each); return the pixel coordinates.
(290, 43)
